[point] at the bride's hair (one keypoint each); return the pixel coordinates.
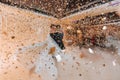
(51, 26)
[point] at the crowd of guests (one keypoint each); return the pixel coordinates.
(80, 5)
(56, 8)
(91, 35)
(99, 19)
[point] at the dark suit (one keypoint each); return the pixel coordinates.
(58, 39)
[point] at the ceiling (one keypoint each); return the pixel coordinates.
(56, 8)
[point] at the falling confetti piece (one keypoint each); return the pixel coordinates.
(119, 54)
(114, 63)
(58, 58)
(91, 51)
(104, 65)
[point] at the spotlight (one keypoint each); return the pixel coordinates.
(58, 58)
